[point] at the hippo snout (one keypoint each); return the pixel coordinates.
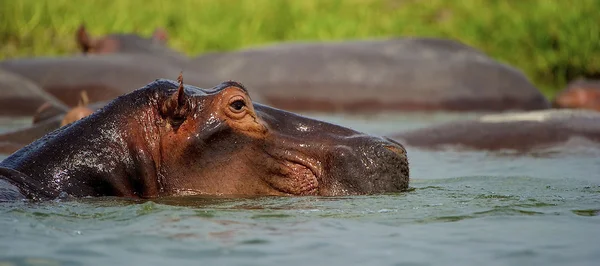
(370, 165)
(390, 173)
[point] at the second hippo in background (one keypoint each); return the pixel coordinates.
(580, 94)
(20, 96)
(80, 111)
(47, 119)
(524, 131)
(375, 75)
(128, 43)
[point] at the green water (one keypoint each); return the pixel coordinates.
(465, 208)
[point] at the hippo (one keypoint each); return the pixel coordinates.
(171, 139)
(47, 120)
(579, 94)
(14, 140)
(408, 74)
(21, 97)
(128, 44)
(523, 131)
(103, 77)
(47, 111)
(78, 112)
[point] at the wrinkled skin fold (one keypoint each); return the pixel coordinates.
(170, 139)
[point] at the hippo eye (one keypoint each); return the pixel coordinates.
(237, 106)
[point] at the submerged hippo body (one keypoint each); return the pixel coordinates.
(128, 44)
(165, 140)
(518, 131)
(22, 97)
(580, 94)
(373, 75)
(102, 77)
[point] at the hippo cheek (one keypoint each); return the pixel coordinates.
(293, 173)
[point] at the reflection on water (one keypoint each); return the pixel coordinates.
(464, 208)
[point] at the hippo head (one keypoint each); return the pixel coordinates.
(579, 98)
(218, 142)
(115, 43)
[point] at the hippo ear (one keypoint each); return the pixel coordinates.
(180, 92)
(175, 108)
(160, 35)
(83, 99)
(83, 39)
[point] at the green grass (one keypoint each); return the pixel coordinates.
(552, 41)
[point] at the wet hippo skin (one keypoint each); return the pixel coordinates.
(579, 94)
(374, 75)
(169, 140)
(21, 97)
(103, 77)
(518, 131)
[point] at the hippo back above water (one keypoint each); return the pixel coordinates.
(372, 75)
(167, 139)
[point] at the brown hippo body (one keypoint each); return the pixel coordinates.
(580, 94)
(518, 131)
(129, 44)
(169, 140)
(374, 75)
(103, 77)
(21, 97)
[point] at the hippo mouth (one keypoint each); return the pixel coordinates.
(296, 174)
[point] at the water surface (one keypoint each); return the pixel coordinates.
(464, 208)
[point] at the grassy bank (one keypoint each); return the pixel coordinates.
(552, 41)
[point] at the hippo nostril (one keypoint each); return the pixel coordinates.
(395, 146)
(396, 150)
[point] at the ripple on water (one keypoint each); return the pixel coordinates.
(589, 212)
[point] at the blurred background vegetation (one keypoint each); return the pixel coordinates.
(552, 41)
